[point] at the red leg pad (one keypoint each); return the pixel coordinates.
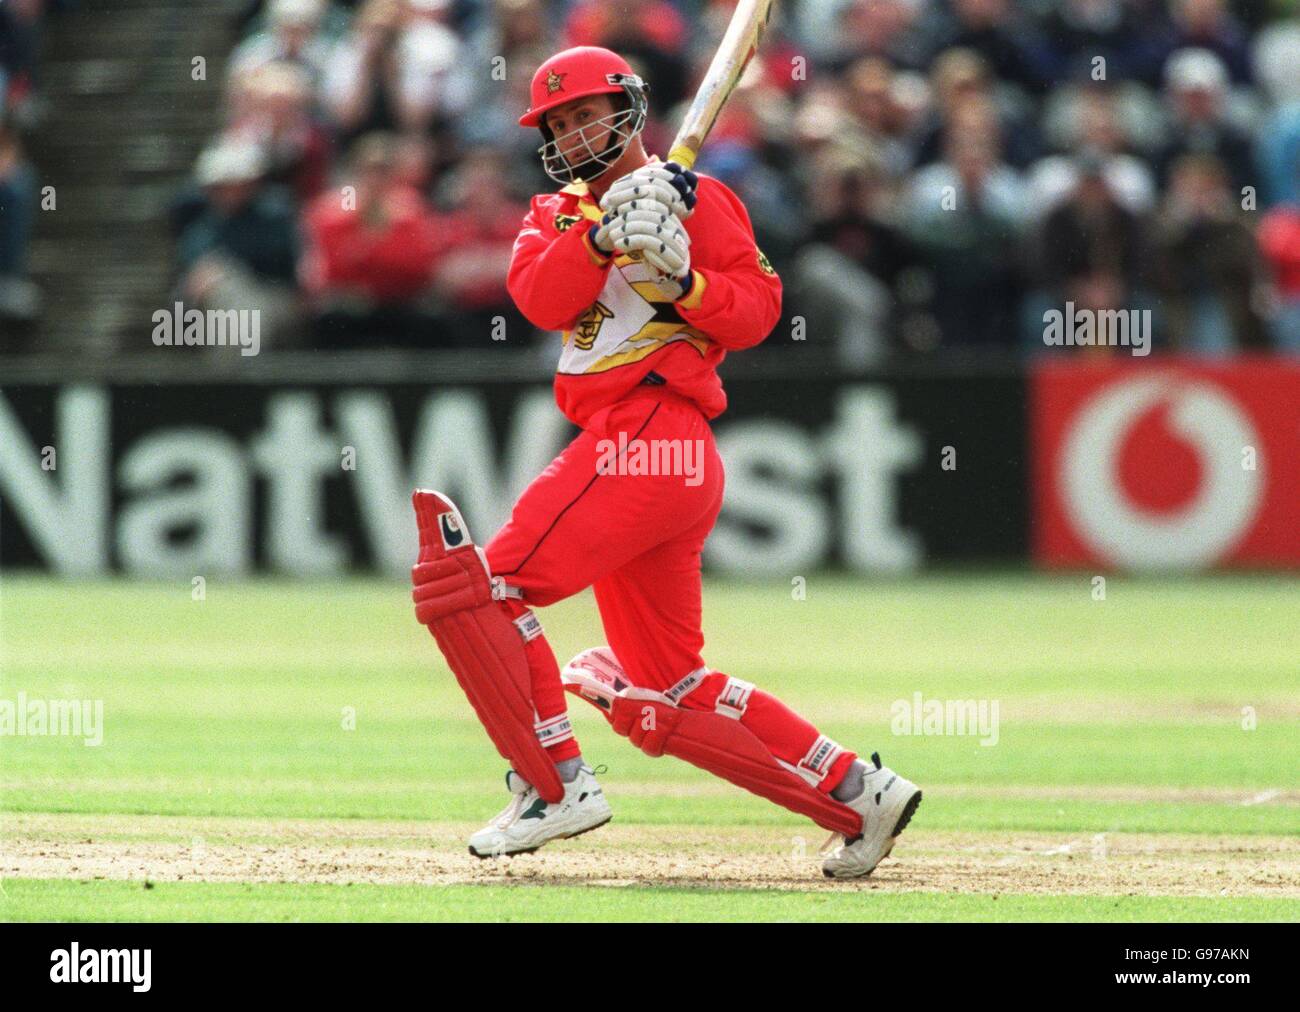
(483, 648)
(703, 738)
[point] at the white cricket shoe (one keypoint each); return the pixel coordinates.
(529, 821)
(887, 804)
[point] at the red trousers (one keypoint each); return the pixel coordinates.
(591, 520)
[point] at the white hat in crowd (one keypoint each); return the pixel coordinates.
(229, 161)
(295, 12)
(1196, 70)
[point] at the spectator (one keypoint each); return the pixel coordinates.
(650, 35)
(965, 215)
(1207, 269)
(495, 124)
(19, 298)
(888, 30)
(1279, 242)
(992, 29)
(293, 35)
(239, 247)
(413, 160)
(521, 28)
(960, 76)
(370, 254)
(1196, 83)
(22, 108)
(848, 273)
(1207, 24)
(400, 69)
(1275, 66)
(476, 239)
(1088, 252)
(271, 108)
(510, 42)
(768, 195)
(433, 83)
(1088, 37)
(1278, 146)
(1097, 129)
(20, 31)
(875, 102)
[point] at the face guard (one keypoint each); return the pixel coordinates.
(622, 125)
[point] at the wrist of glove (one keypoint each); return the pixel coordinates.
(676, 288)
(599, 237)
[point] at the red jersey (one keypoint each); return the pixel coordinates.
(617, 326)
(1279, 239)
(393, 263)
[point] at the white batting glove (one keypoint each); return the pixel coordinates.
(671, 259)
(614, 223)
(647, 227)
(666, 183)
(666, 248)
(669, 253)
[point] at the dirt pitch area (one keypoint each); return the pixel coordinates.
(162, 849)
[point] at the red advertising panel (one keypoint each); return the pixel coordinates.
(1166, 465)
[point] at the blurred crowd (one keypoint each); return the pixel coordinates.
(928, 176)
(21, 26)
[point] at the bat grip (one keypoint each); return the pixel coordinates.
(682, 155)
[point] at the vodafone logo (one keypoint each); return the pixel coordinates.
(1151, 473)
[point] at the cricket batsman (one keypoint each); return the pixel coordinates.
(652, 274)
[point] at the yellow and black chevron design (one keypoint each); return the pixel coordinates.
(588, 328)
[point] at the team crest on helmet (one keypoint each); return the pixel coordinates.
(554, 82)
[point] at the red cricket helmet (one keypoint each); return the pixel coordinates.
(579, 73)
(576, 73)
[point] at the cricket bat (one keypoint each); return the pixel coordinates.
(737, 48)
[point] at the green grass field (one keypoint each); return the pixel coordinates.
(285, 751)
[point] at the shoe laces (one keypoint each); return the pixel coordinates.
(512, 811)
(518, 802)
